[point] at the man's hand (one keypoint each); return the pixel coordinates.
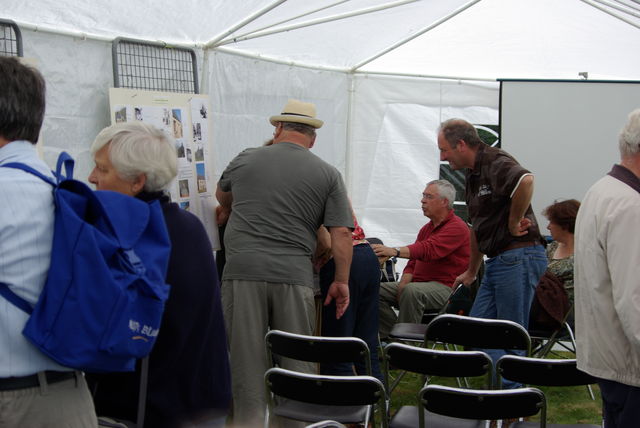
(466, 278)
(340, 292)
(520, 228)
(382, 251)
(222, 215)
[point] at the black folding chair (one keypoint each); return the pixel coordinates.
(432, 362)
(544, 372)
(478, 333)
(544, 340)
(319, 349)
(414, 332)
(480, 405)
(315, 398)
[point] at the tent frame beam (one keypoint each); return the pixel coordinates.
(312, 22)
(600, 5)
(413, 36)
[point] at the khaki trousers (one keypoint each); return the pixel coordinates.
(251, 308)
(414, 300)
(65, 404)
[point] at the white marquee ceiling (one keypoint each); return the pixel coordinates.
(485, 39)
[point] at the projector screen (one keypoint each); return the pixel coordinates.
(565, 132)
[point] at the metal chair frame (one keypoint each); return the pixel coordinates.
(316, 398)
(318, 349)
(481, 405)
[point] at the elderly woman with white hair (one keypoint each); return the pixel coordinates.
(189, 378)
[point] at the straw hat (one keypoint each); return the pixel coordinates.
(298, 112)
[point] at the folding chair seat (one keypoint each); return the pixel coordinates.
(459, 302)
(544, 372)
(431, 362)
(319, 349)
(326, 424)
(480, 405)
(316, 398)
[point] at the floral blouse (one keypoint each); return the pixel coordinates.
(562, 268)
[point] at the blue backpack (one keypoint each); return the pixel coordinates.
(102, 303)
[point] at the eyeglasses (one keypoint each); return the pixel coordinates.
(429, 196)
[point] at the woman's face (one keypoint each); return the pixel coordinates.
(105, 177)
(555, 230)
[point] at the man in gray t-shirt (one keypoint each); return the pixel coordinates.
(278, 196)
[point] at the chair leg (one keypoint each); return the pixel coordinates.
(591, 392)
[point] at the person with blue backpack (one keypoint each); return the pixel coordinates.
(188, 369)
(35, 390)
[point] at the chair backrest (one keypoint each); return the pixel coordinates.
(545, 372)
(433, 362)
(317, 349)
(478, 333)
(325, 390)
(483, 404)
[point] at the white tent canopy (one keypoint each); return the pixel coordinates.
(383, 73)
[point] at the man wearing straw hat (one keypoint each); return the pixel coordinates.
(278, 196)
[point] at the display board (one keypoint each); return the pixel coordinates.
(185, 118)
(565, 132)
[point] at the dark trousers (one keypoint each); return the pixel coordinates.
(620, 404)
(361, 317)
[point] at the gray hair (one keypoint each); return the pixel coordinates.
(455, 130)
(445, 190)
(138, 148)
(629, 139)
(301, 128)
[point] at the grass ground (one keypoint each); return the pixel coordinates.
(564, 404)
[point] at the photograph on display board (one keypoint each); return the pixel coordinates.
(201, 178)
(184, 188)
(177, 123)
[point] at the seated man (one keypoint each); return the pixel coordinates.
(439, 255)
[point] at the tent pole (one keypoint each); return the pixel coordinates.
(605, 10)
(284, 21)
(315, 22)
(244, 22)
(413, 36)
(348, 154)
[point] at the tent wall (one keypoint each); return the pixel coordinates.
(393, 145)
(78, 74)
(245, 92)
(380, 131)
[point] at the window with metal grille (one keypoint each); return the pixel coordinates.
(10, 38)
(154, 66)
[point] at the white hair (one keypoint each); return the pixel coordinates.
(138, 148)
(445, 190)
(629, 138)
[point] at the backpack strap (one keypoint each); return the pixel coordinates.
(12, 297)
(27, 168)
(64, 160)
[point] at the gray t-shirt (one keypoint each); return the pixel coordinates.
(281, 195)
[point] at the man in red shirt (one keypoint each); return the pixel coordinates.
(439, 255)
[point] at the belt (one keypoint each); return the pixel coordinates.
(31, 381)
(512, 246)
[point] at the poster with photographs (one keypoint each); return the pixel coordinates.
(184, 118)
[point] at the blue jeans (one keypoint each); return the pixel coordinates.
(507, 290)
(361, 317)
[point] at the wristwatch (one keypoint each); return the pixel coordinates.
(397, 251)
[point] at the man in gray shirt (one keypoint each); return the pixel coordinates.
(278, 196)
